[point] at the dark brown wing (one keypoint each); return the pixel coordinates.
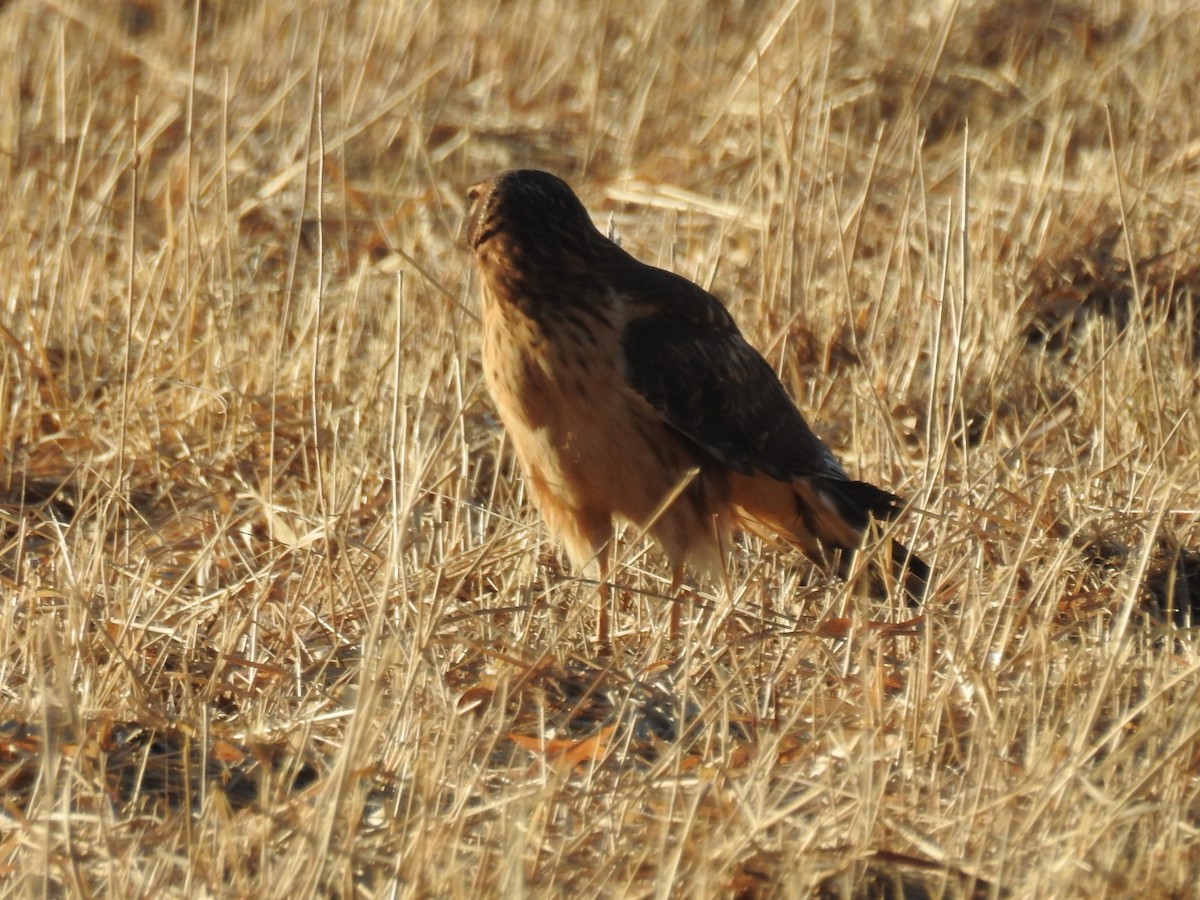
(685, 355)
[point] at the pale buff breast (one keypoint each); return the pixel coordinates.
(592, 448)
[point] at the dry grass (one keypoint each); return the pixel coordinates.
(276, 618)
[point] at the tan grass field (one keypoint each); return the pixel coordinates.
(277, 619)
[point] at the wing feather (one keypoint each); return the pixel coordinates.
(685, 355)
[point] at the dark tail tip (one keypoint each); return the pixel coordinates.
(911, 571)
(858, 501)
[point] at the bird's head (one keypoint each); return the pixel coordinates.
(529, 219)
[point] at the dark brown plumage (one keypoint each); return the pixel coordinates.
(624, 386)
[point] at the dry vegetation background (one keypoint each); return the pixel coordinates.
(276, 618)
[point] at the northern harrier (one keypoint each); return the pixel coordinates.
(629, 394)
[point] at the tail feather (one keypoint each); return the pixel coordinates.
(858, 501)
(911, 571)
(826, 519)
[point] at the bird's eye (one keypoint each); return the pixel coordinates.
(473, 192)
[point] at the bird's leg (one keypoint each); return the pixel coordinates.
(603, 626)
(676, 603)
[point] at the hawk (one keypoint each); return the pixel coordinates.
(629, 394)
